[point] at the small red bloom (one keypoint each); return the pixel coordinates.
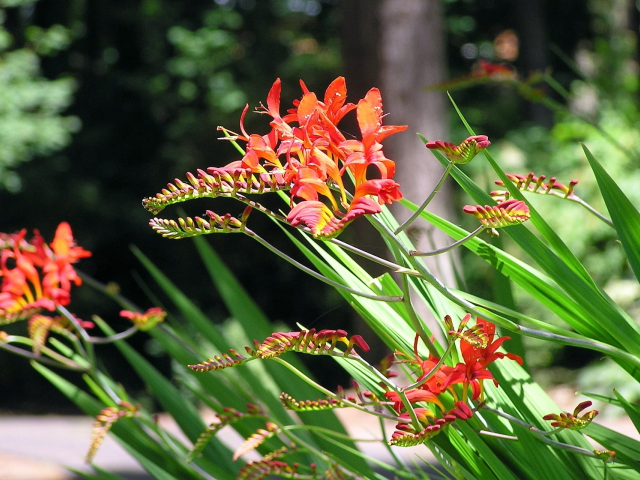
(147, 320)
(573, 421)
(505, 214)
(463, 153)
(477, 359)
(35, 275)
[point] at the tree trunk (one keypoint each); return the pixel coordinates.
(399, 46)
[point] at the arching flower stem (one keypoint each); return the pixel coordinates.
(381, 261)
(84, 336)
(542, 435)
(46, 357)
(315, 274)
(424, 205)
(417, 253)
(594, 212)
(114, 338)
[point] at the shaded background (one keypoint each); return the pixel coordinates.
(103, 102)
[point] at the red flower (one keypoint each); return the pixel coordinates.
(463, 153)
(414, 396)
(35, 275)
(308, 155)
(147, 320)
(477, 360)
(505, 214)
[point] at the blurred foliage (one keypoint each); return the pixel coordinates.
(31, 106)
(597, 93)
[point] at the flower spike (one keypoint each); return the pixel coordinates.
(213, 183)
(105, 420)
(532, 184)
(192, 227)
(505, 214)
(463, 153)
(35, 275)
(256, 439)
(291, 403)
(308, 160)
(322, 342)
(225, 418)
(573, 421)
(226, 360)
(147, 320)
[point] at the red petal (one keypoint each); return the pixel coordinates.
(273, 99)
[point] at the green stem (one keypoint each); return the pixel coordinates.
(417, 253)
(416, 323)
(417, 213)
(595, 212)
(542, 435)
(114, 338)
(317, 275)
(374, 258)
(54, 359)
(84, 336)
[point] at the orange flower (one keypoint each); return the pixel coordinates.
(35, 275)
(306, 154)
(477, 359)
(147, 320)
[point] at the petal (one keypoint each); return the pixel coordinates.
(368, 121)
(273, 99)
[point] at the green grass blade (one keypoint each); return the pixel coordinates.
(136, 442)
(253, 322)
(624, 215)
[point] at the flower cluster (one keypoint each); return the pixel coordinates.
(306, 154)
(37, 276)
(436, 380)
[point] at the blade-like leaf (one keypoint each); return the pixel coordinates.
(624, 215)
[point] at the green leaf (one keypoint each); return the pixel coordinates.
(624, 215)
(633, 411)
(183, 412)
(254, 323)
(135, 441)
(627, 449)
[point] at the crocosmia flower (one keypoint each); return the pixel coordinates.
(573, 421)
(306, 155)
(37, 276)
(463, 153)
(147, 320)
(505, 214)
